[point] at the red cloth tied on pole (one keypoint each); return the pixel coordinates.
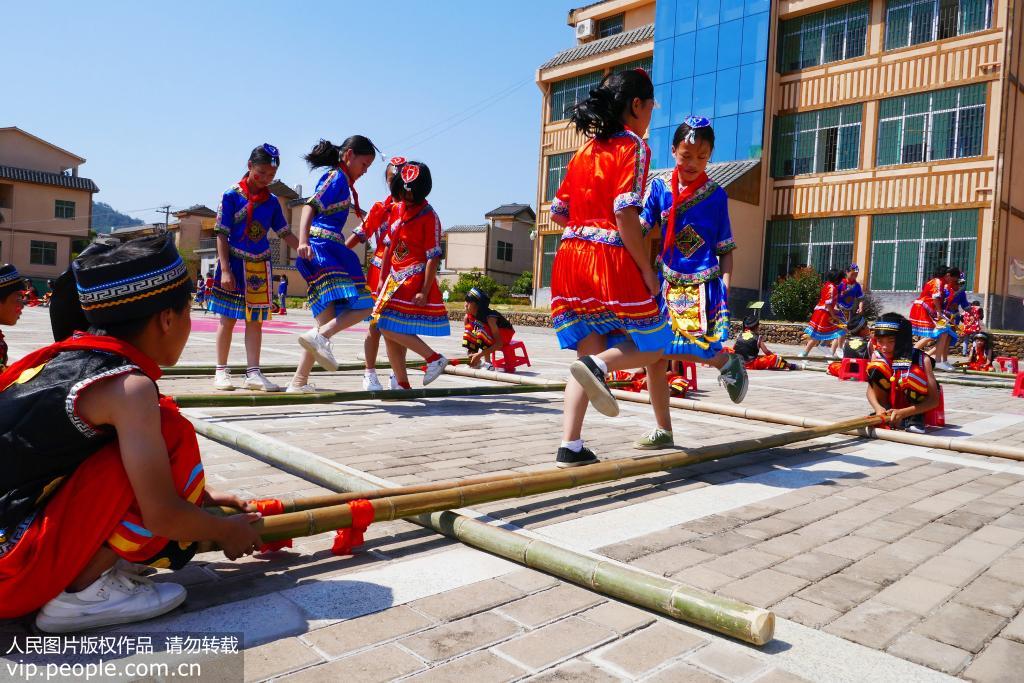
(347, 539)
(271, 506)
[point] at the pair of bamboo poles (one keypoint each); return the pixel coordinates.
(313, 515)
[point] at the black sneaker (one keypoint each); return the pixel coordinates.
(569, 458)
(586, 372)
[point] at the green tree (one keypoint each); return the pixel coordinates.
(793, 298)
(523, 283)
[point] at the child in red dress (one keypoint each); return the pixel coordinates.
(825, 323)
(603, 288)
(408, 302)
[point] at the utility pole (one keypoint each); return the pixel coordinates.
(167, 215)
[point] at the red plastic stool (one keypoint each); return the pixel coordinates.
(510, 359)
(855, 369)
(1011, 362)
(690, 374)
(1018, 387)
(936, 417)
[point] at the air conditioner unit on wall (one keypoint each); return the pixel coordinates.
(585, 29)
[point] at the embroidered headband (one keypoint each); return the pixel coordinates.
(694, 122)
(147, 279)
(886, 326)
(854, 268)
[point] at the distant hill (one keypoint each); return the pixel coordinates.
(105, 218)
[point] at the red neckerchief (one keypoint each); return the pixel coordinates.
(81, 341)
(343, 167)
(679, 196)
(251, 199)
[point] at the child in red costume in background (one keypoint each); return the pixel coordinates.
(857, 344)
(749, 345)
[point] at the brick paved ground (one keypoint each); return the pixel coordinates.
(893, 562)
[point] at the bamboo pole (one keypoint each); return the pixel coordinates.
(958, 444)
(588, 474)
(179, 370)
(228, 400)
(955, 371)
(998, 384)
(607, 577)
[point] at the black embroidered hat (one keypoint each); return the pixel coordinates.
(856, 324)
(10, 280)
(133, 280)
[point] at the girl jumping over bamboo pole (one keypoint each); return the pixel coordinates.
(337, 286)
(603, 288)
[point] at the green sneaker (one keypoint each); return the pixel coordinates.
(734, 378)
(656, 440)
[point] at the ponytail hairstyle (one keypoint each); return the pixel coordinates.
(326, 154)
(692, 130)
(265, 154)
(414, 177)
(600, 115)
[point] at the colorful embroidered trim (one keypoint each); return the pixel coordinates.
(559, 207)
(593, 234)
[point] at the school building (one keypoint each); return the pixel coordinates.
(45, 205)
(881, 132)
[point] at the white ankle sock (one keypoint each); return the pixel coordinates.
(370, 372)
(601, 365)
(574, 446)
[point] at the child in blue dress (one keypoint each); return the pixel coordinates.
(695, 266)
(242, 284)
(337, 287)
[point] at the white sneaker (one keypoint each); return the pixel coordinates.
(116, 597)
(944, 366)
(258, 382)
(321, 348)
(222, 381)
(393, 383)
(372, 383)
(304, 389)
(434, 370)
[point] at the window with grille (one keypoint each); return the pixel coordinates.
(63, 209)
(820, 243)
(647, 64)
(817, 141)
(504, 251)
(42, 253)
(549, 247)
(911, 22)
(906, 248)
(566, 94)
(557, 165)
(942, 124)
(823, 37)
(609, 26)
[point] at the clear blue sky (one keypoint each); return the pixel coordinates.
(166, 100)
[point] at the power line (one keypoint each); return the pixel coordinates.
(447, 123)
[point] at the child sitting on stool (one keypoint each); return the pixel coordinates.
(749, 346)
(982, 353)
(486, 329)
(857, 344)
